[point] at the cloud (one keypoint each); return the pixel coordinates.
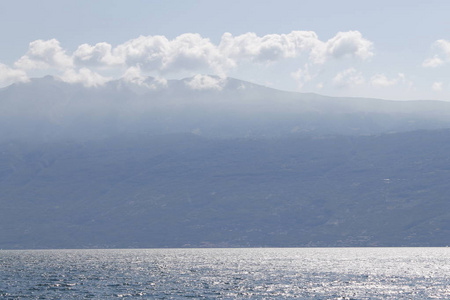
(205, 82)
(380, 80)
(273, 47)
(442, 47)
(9, 76)
(347, 78)
(302, 76)
(144, 51)
(349, 44)
(190, 53)
(97, 55)
(433, 62)
(187, 52)
(268, 48)
(84, 76)
(44, 55)
(158, 83)
(134, 75)
(437, 86)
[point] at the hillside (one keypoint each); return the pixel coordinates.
(46, 109)
(183, 190)
(209, 161)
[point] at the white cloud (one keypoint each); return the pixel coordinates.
(9, 76)
(98, 55)
(350, 43)
(146, 51)
(45, 55)
(433, 62)
(302, 76)
(442, 47)
(191, 53)
(267, 48)
(437, 86)
(134, 75)
(158, 83)
(273, 47)
(347, 78)
(84, 76)
(380, 80)
(205, 82)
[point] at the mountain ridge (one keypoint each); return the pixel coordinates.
(237, 109)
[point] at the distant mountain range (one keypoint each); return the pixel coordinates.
(48, 109)
(211, 162)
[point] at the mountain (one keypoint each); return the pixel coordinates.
(206, 161)
(183, 190)
(49, 109)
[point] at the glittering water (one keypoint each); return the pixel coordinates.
(306, 273)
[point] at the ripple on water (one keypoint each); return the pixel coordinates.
(343, 273)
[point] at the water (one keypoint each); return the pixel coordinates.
(305, 273)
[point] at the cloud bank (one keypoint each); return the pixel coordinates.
(189, 53)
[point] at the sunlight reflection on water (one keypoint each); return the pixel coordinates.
(307, 273)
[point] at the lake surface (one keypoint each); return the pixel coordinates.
(305, 273)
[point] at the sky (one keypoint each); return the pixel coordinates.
(396, 50)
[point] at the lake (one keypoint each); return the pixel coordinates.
(256, 273)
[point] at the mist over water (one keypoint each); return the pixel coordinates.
(306, 273)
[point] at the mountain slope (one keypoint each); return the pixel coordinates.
(48, 109)
(207, 161)
(185, 190)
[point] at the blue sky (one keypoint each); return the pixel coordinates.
(385, 49)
